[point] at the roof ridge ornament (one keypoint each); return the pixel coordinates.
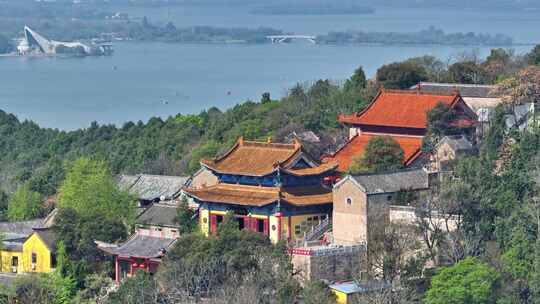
(297, 143)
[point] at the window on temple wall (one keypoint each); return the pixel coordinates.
(219, 219)
(34, 258)
(260, 226)
(53, 260)
(15, 261)
(349, 201)
(297, 230)
(241, 223)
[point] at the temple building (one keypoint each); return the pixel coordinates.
(275, 189)
(150, 189)
(156, 231)
(28, 246)
(403, 115)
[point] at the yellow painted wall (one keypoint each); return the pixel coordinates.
(204, 215)
(35, 245)
(301, 220)
(6, 257)
(295, 220)
(341, 297)
(274, 234)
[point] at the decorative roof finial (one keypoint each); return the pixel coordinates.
(241, 140)
(297, 143)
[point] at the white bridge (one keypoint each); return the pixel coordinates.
(288, 38)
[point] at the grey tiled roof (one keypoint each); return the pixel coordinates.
(127, 181)
(458, 143)
(13, 245)
(152, 187)
(17, 230)
(159, 215)
(465, 90)
(48, 237)
(393, 182)
(140, 246)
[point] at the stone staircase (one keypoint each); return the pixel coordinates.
(319, 230)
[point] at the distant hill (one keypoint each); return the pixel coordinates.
(313, 9)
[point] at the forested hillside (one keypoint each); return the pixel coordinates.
(174, 145)
(165, 146)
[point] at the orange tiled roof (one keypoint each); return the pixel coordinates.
(355, 147)
(260, 196)
(262, 158)
(395, 108)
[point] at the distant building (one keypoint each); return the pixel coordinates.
(156, 231)
(402, 115)
(272, 188)
(153, 188)
(363, 203)
(139, 252)
(159, 220)
(478, 97)
(451, 148)
(34, 43)
(28, 246)
(352, 291)
(202, 178)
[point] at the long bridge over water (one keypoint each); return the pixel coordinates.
(288, 38)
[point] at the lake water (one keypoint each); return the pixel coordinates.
(143, 80)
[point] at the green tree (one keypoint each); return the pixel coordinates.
(79, 231)
(139, 289)
(186, 218)
(4, 203)
(90, 189)
(382, 153)
(25, 204)
(440, 120)
(401, 75)
(534, 55)
(50, 288)
(317, 292)
(468, 72)
(266, 98)
(357, 81)
(468, 282)
(231, 264)
(91, 207)
(62, 259)
(209, 149)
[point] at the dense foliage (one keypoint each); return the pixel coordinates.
(468, 282)
(25, 204)
(428, 36)
(91, 207)
(173, 145)
(382, 154)
(230, 267)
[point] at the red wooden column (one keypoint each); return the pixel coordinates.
(266, 230)
(116, 270)
(278, 215)
(213, 224)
